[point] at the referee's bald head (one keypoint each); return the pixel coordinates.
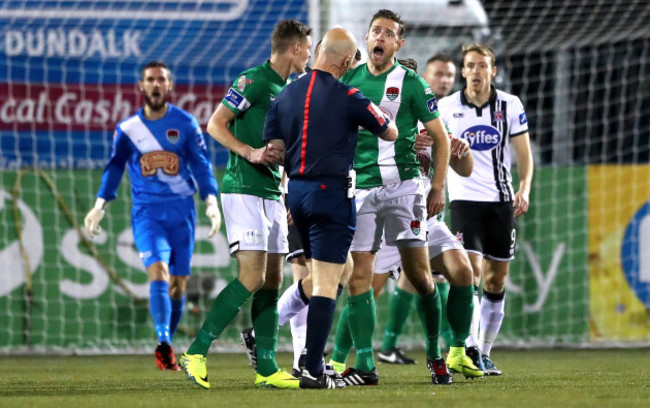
(339, 41)
(337, 52)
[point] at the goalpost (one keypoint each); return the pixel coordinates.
(68, 75)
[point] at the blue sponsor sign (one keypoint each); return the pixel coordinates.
(635, 254)
(69, 69)
(482, 137)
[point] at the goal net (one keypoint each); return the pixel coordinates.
(69, 73)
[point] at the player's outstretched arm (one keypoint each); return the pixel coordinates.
(94, 217)
(521, 144)
(461, 159)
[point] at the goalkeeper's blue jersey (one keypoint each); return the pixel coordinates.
(166, 158)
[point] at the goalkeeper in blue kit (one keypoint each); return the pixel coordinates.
(167, 156)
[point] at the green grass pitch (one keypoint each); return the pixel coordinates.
(549, 378)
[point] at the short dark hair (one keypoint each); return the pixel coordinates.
(481, 49)
(390, 15)
(409, 63)
(154, 64)
(287, 33)
(357, 56)
(440, 57)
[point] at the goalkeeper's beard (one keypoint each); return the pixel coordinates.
(155, 107)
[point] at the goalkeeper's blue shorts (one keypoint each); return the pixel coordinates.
(164, 232)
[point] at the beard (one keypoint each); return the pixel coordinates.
(156, 106)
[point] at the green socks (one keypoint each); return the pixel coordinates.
(459, 313)
(362, 324)
(429, 312)
(443, 291)
(343, 338)
(401, 304)
(264, 313)
(224, 308)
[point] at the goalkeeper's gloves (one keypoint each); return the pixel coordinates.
(94, 216)
(212, 211)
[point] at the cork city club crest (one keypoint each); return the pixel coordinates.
(415, 227)
(392, 93)
(173, 135)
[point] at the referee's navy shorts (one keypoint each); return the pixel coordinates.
(326, 218)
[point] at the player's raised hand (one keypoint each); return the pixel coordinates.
(521, 202)
(213, 213)
(459, 147)
(94, 217)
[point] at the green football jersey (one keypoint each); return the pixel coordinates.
(406, 98)
(249, 99)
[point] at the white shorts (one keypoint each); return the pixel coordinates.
(440, 239)
(396, 211)
(255, 224)
(388, 260)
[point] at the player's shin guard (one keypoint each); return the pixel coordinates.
(319, 323)
(459, 313)
(161, 309)
(298, 335)
(264, 313)
(224, 308)
(429, 313)
(472, 340)
(492, 313)
(292, 301)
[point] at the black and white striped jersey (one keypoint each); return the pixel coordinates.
(488, 130)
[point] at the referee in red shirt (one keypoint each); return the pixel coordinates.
(312, 127)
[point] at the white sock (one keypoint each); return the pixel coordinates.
(491, 318)
(472, 340)
(289, 304)
(299, 334)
